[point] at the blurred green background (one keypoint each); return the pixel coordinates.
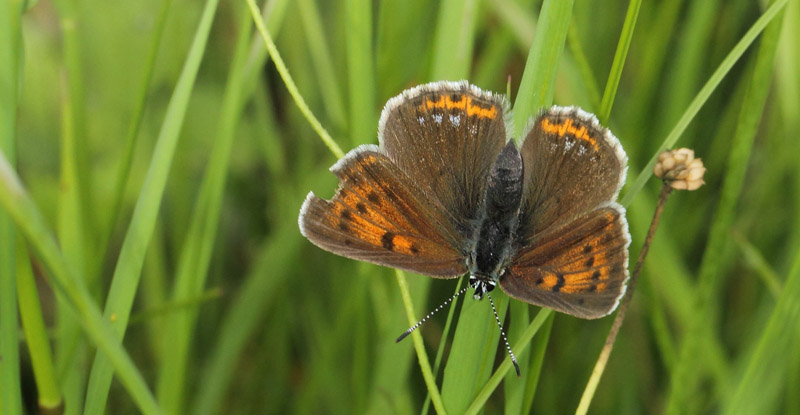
(178, 174)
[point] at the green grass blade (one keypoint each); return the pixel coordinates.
(71, 236)
(686, 376)
(537, 360)
(273, 265)
(416, 337)
(323, 63)
(287, 79)
(131, 138)
(44, 372)
(454, 40)
(10, 58)
(476, 336)
(538, 81)
(73, 46)
(683, 74)
(129, 265)
(361, 71)
(581, 61)
(755, 260)
(702, 96)
(767, 365)
(452, 48)
(615, 75)
(196, 253)
(525, 339)
(29, 220)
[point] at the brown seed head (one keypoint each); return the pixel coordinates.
(680, 169)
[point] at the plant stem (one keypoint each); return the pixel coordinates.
(602, 360)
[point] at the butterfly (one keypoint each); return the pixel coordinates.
(447, 193)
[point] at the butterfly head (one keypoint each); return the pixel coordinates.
(482, 284)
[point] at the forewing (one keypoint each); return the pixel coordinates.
(572, 165)
(445, 137)
(579, 269)
(376, 216)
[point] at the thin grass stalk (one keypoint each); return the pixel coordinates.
(602, 360)
(323, 63)
(290, 85)
(416, 337)
(437, 362)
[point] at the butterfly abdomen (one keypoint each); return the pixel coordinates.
(500, 211)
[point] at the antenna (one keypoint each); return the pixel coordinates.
(435, 310)
(503, 332)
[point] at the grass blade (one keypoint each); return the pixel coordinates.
(686, 376)
(702, 96)
(620, 55)
(767, 365)
(49, 394)
(26, 215)
(128, 270)
(537, 86)
(195, 256)
(10, 54)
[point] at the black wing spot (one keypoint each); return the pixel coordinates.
(373, 197)
(414, 250)
(344, 227)
(589, 262)
(361, 208)
(387, 240)
(587, 249)
(559, 283)
(596, 275)
(540, 281)
(346, 214)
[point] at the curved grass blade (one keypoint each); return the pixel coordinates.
(702, 96)
(127, 273)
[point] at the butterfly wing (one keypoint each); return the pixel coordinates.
(445, 136)
(375, 217)
(413, 202)
(572, 243)
(579, 269)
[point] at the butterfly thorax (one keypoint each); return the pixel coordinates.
(499, 213)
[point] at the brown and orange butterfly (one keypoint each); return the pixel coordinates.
(447, 193)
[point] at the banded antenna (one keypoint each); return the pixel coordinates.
(448, 301)
(435, 310)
